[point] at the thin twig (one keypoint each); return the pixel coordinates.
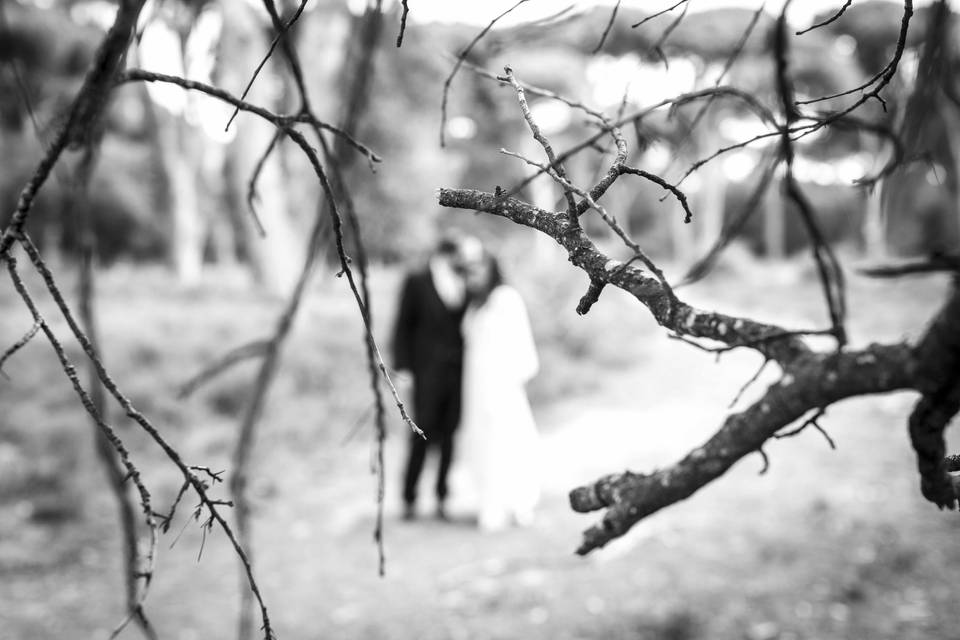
(879, 81)
(19, 344)
(754, 343)
(278, 120)
(732, 230)
(554, 163)
(456, 67)
(273, 45)
(731, 59)
(810, 422)
(658, 14)
(679, 195)
(766, 462)
(609, 27)
(252, 196)
(403, 22)
(746, 385)
(609, 219)
(833, 18)
(666, 33)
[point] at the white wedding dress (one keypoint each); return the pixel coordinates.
(499, 439)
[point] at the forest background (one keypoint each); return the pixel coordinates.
(173, 225)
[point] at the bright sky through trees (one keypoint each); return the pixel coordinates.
(801, 12)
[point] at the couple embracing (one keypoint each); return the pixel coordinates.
(465, 337)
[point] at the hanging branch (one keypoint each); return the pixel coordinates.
(77, 204)
(337, 159)
(172, 454)
(141, 567)
(828, 268)
(361, 75)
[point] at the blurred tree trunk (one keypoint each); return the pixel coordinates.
(353, 81)
(875, 224)
(175, 140)
(277, 256)
(177, 196)
(774, 222)
(951, 118)
(710, 201)
(224, 228)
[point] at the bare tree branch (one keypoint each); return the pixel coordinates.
(810, 382)
(879, 81)
(770, 340)
(85, 110)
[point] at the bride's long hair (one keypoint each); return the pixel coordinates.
(479, 296)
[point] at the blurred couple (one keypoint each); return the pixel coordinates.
(464, 336)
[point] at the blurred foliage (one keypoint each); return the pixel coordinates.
(46, 50)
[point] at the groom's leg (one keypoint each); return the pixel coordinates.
(446, 459)
(445, 440)
(417, 452)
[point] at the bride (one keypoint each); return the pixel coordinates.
(499, 434)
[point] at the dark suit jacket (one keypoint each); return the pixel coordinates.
(427, 342)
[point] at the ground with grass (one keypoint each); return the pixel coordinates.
(827, 544)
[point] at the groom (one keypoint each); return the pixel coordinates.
(427, 343)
